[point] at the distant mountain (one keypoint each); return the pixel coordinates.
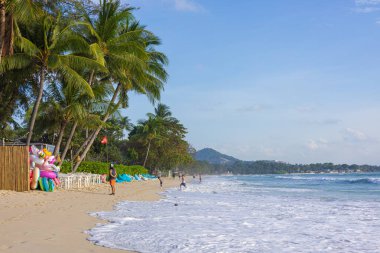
(212, 156)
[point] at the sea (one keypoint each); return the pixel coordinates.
(253, 213)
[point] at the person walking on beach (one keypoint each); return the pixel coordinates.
(112, 176)
(183, 183)
(159, 178)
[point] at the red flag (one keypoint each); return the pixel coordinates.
(104, 140)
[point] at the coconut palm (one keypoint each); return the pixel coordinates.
(54, 50)
(12, 11)
(148, 131)
(77, 107)
(129, 55)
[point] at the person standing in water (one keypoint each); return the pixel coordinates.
(112, 176)
(183, 183)
(200, 178)
(159, 178)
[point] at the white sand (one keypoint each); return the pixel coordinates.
(39, 221)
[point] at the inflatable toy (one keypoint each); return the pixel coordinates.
(41, 154)
(48, 174)
(56, 181)
(48, 166)
(47, 152)
(51, 159)
(51, 185)
(36, 160)
(40, 184)
(55, 168)
(34, 179)
(45, 184)
(34, 150)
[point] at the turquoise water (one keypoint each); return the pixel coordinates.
(358, 186)
(303, 213)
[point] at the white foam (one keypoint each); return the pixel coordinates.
(222, 216)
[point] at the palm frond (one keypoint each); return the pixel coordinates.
(16, 61)
(72, 78)
(24, 10)
(81, 63)
(97, 53)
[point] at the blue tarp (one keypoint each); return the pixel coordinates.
(148, 176)
(128, 178)
(123, 178)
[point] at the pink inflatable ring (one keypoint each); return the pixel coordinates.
(48, 174)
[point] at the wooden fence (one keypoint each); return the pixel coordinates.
(14, 168)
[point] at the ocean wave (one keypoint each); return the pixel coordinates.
(334, 179)
(364, 181)
(236, 221)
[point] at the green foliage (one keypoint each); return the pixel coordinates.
(160, 140)
(69, 59)
(103, 168)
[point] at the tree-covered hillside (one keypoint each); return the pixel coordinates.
(270, 167)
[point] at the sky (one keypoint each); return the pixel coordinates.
(295, 81)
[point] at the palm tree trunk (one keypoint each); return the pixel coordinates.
(147, 152)
(68, 142)
(95, 134)
(83, 145)
(90, 81)
(8, 40)
(6, 31)
(89, 143)
(36, 105)
(60, 137)
(2, 26)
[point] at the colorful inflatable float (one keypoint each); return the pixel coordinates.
(44, 173)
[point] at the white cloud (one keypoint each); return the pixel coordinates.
(317, 144)
(367, 6)
(186, 5)
(312, 145)
(366, 9)
(354, 135)
(367, 2)
(377, 22)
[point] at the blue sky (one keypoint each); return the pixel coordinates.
(296, 81)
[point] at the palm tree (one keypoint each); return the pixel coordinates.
(12, 11)
(66, 104)
(53, 49)
(129, 55)
(78, 108)
(148, 131)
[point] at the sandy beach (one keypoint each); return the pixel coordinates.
(37, 221)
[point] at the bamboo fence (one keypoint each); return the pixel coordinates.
(14, 168)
